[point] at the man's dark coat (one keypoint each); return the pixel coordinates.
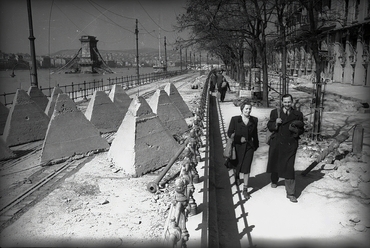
(249, 132)
(284, 144)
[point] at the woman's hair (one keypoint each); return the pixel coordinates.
(245, 102)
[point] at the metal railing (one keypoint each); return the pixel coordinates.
(184, 205)
(81, 91)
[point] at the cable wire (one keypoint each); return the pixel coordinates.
(152, 19)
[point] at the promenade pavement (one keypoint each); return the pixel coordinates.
(353, 91)
(269, 219)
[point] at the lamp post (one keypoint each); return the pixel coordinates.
(13, 74)
(34, 81)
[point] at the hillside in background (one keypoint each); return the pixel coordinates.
(147, 51)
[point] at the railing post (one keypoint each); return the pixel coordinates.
(84, 93)
(73, 92)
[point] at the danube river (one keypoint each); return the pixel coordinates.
(22, 79)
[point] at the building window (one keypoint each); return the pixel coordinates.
(368, 9)
(357, 5)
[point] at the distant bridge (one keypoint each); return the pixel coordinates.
(87, 59)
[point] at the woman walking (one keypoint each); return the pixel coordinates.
(244, 128)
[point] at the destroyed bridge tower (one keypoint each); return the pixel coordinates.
(87, 59)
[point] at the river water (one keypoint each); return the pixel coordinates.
(22, 79)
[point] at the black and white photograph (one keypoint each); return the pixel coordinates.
(185, 123)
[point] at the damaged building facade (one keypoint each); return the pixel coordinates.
(344, 48)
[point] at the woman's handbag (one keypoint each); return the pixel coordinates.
(230, 151)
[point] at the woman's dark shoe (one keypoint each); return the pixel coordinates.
(237, 179)
(246, 195)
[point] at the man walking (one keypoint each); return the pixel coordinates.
(222, 86)
(286, 129)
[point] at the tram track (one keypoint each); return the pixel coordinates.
(45, 180)
(19, 194)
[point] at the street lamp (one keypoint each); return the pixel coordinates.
(19, 63)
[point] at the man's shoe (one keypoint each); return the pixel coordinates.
(273, 185)
(292, 198)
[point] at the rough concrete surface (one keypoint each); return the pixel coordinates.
(167, 112)
(142, 138)
(38, 97)
(120, 98)
(26, 121)
(69, 133)
(103, 113)
(4, 111)
(51, 104)
(177, 99)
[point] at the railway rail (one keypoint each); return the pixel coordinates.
(18, 197)
(42, 183)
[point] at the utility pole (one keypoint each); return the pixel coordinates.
(165, 54)
(137, 53)
(34, 81)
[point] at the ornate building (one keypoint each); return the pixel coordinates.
(345, 47)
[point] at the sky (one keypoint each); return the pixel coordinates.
(59, 24)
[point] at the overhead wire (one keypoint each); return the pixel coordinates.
(68, 17)
(102, 13)
(152, 19)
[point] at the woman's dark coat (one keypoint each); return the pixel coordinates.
(284, 144)
(244, 151)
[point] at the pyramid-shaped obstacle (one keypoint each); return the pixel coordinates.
(177, 99)
(26, 121)
(168, 113)
(4, 112)
(120, 98)
(142, 143)
(38, 97)
(51, 104)
(102, 112)
(5, 152)
(70, 133)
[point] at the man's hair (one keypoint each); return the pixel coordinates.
(287, 95)
(245, 102)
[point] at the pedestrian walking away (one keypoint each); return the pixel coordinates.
(220, 79)
(224, 86)
(244, 128)
(212, 81)
(284, 144)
